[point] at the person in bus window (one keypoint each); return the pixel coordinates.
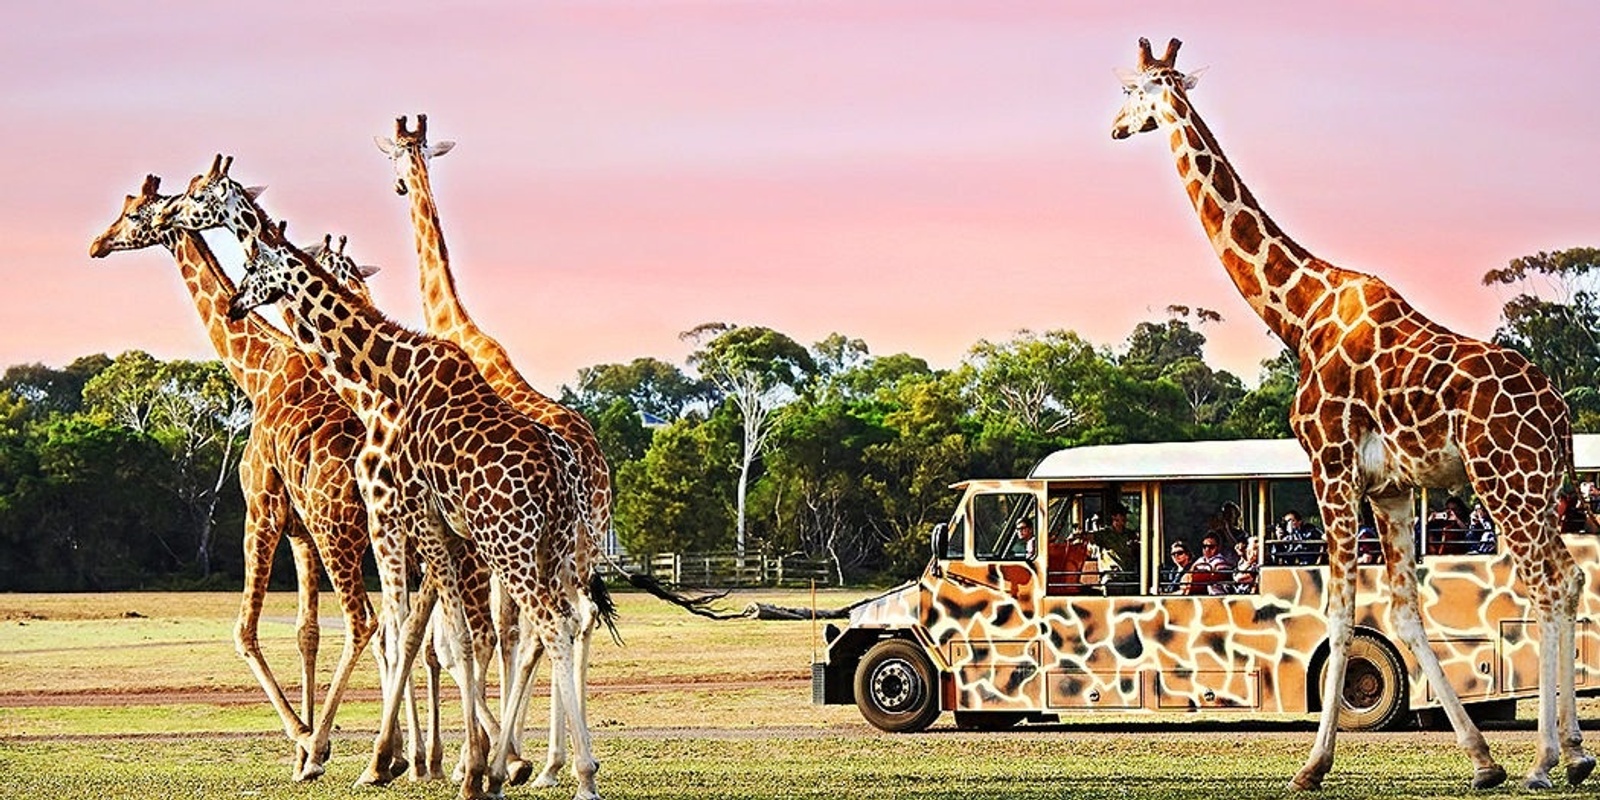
(1180, 578)
(1368, 549)
(1118, 546)
(1298, 543)
(1229, 526)
(1024, 546)
(1213, 570)
(1249, 566)
(1569, 510)
(1480, 531)
(1447, 530)
(1590, 494)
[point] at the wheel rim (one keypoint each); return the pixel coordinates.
(1363, 686)
(896, 687)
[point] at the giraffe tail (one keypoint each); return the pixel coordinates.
(605, 608)
(702, 605)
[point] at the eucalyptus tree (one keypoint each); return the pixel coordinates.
(197, 413)
(1554, 319)
(758, 370)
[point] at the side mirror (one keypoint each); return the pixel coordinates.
(941, 541)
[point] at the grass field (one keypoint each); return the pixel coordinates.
(140, 696)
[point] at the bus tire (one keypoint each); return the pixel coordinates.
(988, 720)
(896, 687)
(1374, 696)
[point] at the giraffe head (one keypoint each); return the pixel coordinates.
(343, 268)
(410, 150)
(215, 200)
(1150, 90)
(270, 271)
(137, 227)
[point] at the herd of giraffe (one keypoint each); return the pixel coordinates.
(434, 451)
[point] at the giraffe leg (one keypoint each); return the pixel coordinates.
(308, 636)
(556, 757)
(265, 515)
(1394, 517)
(1579, 763)
(1339, 518)
(345, 574)
(510, 644)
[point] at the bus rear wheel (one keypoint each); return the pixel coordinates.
(1374, 696)
(895, 687)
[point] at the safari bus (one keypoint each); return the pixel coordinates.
(1062, 593)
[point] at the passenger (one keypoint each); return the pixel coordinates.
(1024, 545)
(1298, 543)
(1229, 526)
(1180, 576)
(1213, 570)
(1118, 552)
(1480, 531)
(1447, 530)
(1590, 494)
(1569, 509)
(1248, 568)
(1368, 549)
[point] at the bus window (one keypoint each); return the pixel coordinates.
(1192, 509)
(1294, 536)
(1003, 526)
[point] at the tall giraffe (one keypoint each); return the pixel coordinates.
(465, 472)
(447, 318)
(297, 476)
(1388, 401)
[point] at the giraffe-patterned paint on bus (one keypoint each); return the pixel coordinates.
(999, 637)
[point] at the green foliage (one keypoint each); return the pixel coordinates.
(678, 497)
(650, 385)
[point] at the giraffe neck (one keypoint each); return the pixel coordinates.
(1280, 280)
(364, 355)
(244, 347)
(440, 304)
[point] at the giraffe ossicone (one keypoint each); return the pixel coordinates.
(1389, 401)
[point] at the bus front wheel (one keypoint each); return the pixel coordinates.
(895, 687)
(1374, 696)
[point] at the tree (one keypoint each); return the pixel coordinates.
(1039, 384)
(53, 391)
(1263, 413)
(1554, 319)
(652, 386)
(1154, 347)
(909, 475)
(196, 412)
(675, 498)
(758, 370)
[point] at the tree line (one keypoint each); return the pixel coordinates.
(121, 473)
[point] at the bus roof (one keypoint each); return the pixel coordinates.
(1235, 458)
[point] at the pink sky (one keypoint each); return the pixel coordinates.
(918, 174)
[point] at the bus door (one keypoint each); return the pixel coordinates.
(989, 616)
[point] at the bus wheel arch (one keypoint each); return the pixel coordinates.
(897, 686)
(1377, 693)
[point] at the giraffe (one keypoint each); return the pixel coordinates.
(215, 199)
(447, 318)
(1388, 401)
(465, 472)
(297, 476)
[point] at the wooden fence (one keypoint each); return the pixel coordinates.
(722, 570)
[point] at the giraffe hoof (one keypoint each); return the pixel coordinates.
(1305, 782)
(1579, 769)
(1489, 777)
(519, 772)
(550, 777)
(310, 772)
(1535, 782)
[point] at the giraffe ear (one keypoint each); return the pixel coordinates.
(1192, 79)
(1129, 78)
(385, 144)
(253, 192)
(367, 270)
(440, 148)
